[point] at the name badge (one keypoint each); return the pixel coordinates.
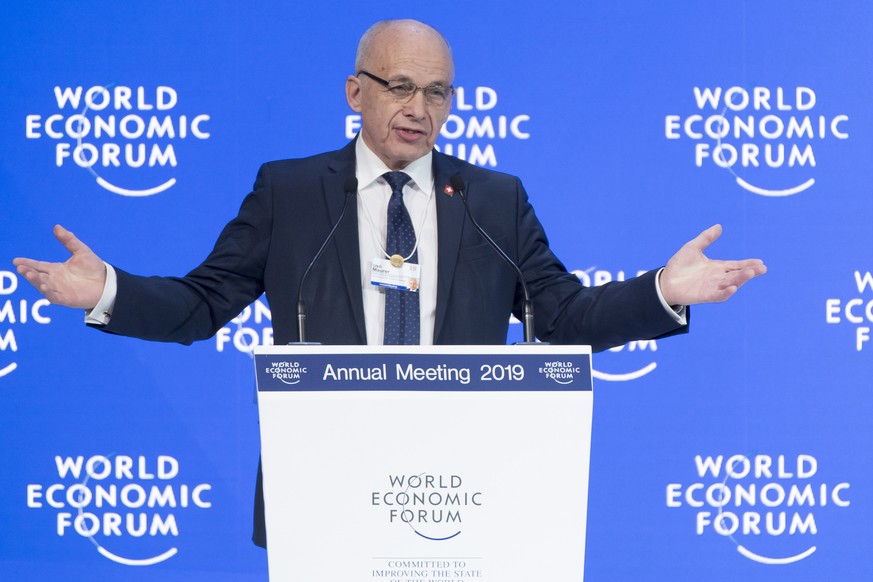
(406, 277)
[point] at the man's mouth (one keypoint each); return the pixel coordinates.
(408, 133)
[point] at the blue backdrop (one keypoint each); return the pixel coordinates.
(739, 451)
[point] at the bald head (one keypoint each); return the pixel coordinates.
(392, 32)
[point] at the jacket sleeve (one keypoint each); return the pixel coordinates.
(567, 312)
(196, 306)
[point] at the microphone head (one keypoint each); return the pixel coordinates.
(457, 182)
(350, 186)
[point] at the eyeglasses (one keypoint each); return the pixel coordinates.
(435, 94)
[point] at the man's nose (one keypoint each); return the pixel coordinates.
(417, 105)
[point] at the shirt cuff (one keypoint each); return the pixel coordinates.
(102, 312)
(677, 312)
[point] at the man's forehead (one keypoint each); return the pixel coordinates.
(416, 67)
(402, 43)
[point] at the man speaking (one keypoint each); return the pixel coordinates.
(405, 264)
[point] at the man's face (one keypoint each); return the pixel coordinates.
(401, 131)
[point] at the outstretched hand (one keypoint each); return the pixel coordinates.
(78, 282)
(690, 277)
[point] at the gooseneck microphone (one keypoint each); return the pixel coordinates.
(350, 186)
(527, 307)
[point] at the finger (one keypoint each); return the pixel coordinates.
(736, 279)
(739, 265)
(69, 240)
(39, 280)
(27, 272)
(47, 284)
(24, 270)
(23, 262)
(706, 238)
(23, 265)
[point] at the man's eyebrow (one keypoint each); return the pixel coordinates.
(406, 79)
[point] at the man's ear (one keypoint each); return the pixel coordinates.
(353, 93)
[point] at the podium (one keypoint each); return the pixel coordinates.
(431, 464)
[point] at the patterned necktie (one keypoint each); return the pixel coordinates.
(401, 307)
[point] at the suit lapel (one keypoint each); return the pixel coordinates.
(346, 237)
(450, 225)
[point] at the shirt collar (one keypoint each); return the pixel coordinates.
(370, 168)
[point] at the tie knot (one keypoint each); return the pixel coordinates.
(397, 180)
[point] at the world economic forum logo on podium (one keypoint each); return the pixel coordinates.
(125, 137)
(560, 372)
(286, 372)
(431, 506)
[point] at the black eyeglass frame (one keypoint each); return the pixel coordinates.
(440, 100)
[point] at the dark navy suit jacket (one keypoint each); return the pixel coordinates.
(284, 220)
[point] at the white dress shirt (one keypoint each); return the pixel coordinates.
(418, 197)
